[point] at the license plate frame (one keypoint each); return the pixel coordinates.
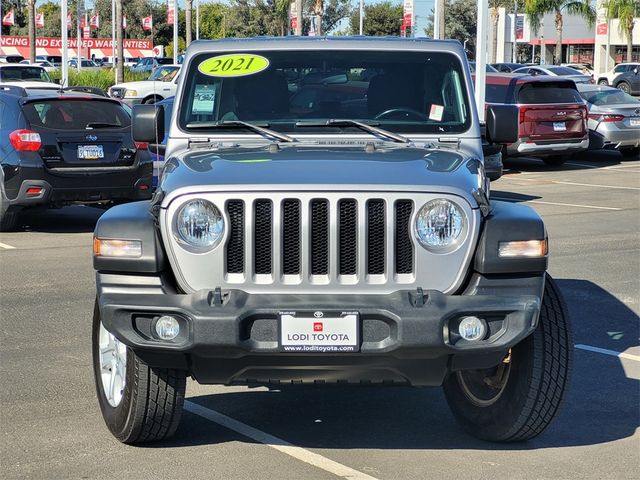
(634, 122)
(90, 152)
(559, 126)
(319, 331)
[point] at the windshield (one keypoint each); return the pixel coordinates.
(400, 91)
(24, 74)
(164, 74)
(563, 71)
(608, 97)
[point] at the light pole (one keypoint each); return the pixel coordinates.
(481, 56)
(361, 17)
(515, 24)
(175, 31)
(197, 19)
(64, 81)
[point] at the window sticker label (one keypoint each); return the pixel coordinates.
(233, 65)
(203, 100)
(436, 113)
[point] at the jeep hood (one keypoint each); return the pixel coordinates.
(322, 168)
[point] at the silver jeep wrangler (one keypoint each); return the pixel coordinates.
(324, 217)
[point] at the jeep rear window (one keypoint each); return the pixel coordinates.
(75, 114)
(535, 93)
(24, 74)
(411, 92)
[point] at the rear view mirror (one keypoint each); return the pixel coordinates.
(148, 123)
(502, 123)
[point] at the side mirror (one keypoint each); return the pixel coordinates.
(502, 123)
(148, 123)
(158, 149)
(635, 70)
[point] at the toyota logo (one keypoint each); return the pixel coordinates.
(318, 314)
(91, 138)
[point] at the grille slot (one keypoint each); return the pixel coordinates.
(235, 245)
(403, 245)
(319, 237)
(291, 237)
(376, 243)
(348, 237)
(262, 240)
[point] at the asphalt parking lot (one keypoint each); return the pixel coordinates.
(52, 428)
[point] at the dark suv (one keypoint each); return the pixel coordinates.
(65, 147)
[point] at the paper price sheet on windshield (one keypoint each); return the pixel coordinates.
(204, 99)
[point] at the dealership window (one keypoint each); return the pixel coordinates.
(620, 53)
(580, 54)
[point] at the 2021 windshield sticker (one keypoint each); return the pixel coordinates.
(233, 65)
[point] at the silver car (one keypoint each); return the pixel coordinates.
(556, 71)
(614, 119)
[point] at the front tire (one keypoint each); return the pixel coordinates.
(519, 398)
(603, 81)
(139, 403)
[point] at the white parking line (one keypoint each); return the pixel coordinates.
(595, 185)
(276, 443)
(606, 351)
(558, 204)
(7, 247)
(615, 167)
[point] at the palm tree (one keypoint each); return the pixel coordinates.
(624, 11)
(119, 43)
(536, 9)
(282, 13)
(31, 14)
(187, 17)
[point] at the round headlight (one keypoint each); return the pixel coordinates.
(199, 225)
(441, 226)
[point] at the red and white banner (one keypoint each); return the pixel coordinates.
(95, 21)
(39, 20)
(9, 18)
(171, 15)
(408, 13)
(86, 32)
(147, 23)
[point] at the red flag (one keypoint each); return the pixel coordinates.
(95, 21)
(86, 32)
(9, 18)
(170, 15)
(83, 21)
(69, 22)
(147, 23)
(39, 20)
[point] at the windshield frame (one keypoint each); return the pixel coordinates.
(408, 128)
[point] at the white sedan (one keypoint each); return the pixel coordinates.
(48, 66)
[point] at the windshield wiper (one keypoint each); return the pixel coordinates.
(102, 125)
(353, 123)
(267, 132)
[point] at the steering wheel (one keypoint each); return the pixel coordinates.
(406, 111)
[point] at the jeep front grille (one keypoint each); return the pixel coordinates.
(319, 242)
(320, 254)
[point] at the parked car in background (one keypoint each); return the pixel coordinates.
(161, 84)
(149, 64)
(26, 76)
(489, 69)
(56, 60)
(614, 119)
(553, 115)
(584, 68)
(84, 63)
(556, 71)
(607, 78)
(49, 67)
(64, 147)
(507, 67)
(628, 82)
(11, 58)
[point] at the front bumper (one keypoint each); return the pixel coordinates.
(405, 337)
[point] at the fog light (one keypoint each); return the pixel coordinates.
(472, 329)
(167, 327)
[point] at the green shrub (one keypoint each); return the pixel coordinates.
(103, 78)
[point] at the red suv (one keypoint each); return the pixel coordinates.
(553, 116)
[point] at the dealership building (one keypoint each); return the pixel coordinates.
(600, 45)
